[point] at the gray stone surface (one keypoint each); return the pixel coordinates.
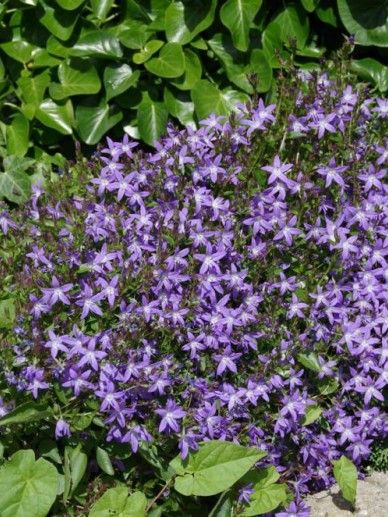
(372, 499)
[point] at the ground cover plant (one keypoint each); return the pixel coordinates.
(77, 69)
(201, 329)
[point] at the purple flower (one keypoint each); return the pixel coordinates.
(278, 172)
(62, 429)
(170, 414)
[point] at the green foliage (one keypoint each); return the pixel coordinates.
(379, 458)
(345, 473)
(27, 487)
(268, 494)
(80, 69)
(116, 501)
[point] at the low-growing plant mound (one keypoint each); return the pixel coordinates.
(229, 286)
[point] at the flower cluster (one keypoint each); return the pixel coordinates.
(229, 285)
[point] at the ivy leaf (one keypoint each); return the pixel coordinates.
(371, 69)
(208, 98)
(27, 487)
(170, 62)
(368, 21)
(147, 51)
(115, 501)
(180, 107)
(312, 414)
(260, 66)
(310, 5)
(101, 8)
(193, 71)
(32, 89)
(58, 21)
(152, 119)
(214, 468)
(291, 24)
(266, 499)
(104, 462)
(94, 121)
(118, 79)
(70, 5)
(15, 186)
(237, 16)
(327, 386)
(135, 35)
(76, 78)
(101, 44)
(18, 135)
(27, 412)
(183, 21)
(345, 472)
(56, 116)
(309, 361)
(19, 50)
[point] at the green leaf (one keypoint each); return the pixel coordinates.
(76, 78)
(312, 414)
(7, 313)
(58, 21)
(32, 89)
(135, 35)
(345, 472)
(310, 361)
(327, 386)
(260, 66)
(104, 462)
(291, 24)
(69, 5)
(27, 412)
(266, 499)
(78, 462)
(215, 467)
(101, 8)
(367, 21)
(152, 119)
(327, 14)
(273, 45)
(49, 449)
(15, 186)
(27, 487)
(118, 79)
(261, 478)
(18, 135)
(56, 116)
(42, 59)
(184, 20)
(193, 71)
(310, 5)
(19, 50)
(237, 16)
(180, 107)
(224, 506)
(94, 121)
(209, 99)
(147, 51)
(99, 43)
(170, 62)
(115, 501)
(372, 70)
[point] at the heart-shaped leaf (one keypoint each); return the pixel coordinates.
(118, 79)
(367, 21)
(179, 106)
(115, 501)
(291, 23)
(147, 51)
(170, 62)
(58, 21)
(183, 21)
(19, 50)
(15, 186)
(101, 44)
(27, 412)
(266, 499)
(152, 119)
(69, 5)
(371, 69)
(101, 8)
(94, 121)
(27, 487)
(18, 135)
(208, 98)
(237, 16)
(193, 71)
(55, 115)
(76, 78)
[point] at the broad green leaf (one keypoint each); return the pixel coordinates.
(208, 98)
(7, 314)
(94, 121)
(180, 107)
(224, 506)
(327, 386)
(58, 21)
(134, 10)
(261, 478)
(310, 361)
(69, 5)
(104, 462)
(273, 45)
(49, 449)
(291, 23)
(27, 487)
(237, 16)
(18, 135)
(101, 8)
(170, 62)
(76, 78)
(193, 71)
(19, 50)
(152, 119)
(312, 414)
(115, 501)
(56, 116)
(215, 467)
(42, 59)
(15, 186)
(372, 70)
(118, 79)
(98, 43)
(184, 20)
(78, 463)
(367, 21)
(266, 499)
(135, 36)
(310, 5)
(327, 13)
(56, 48)
(345, 472)
(260, 66)
(147, 51)
(232, 60)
